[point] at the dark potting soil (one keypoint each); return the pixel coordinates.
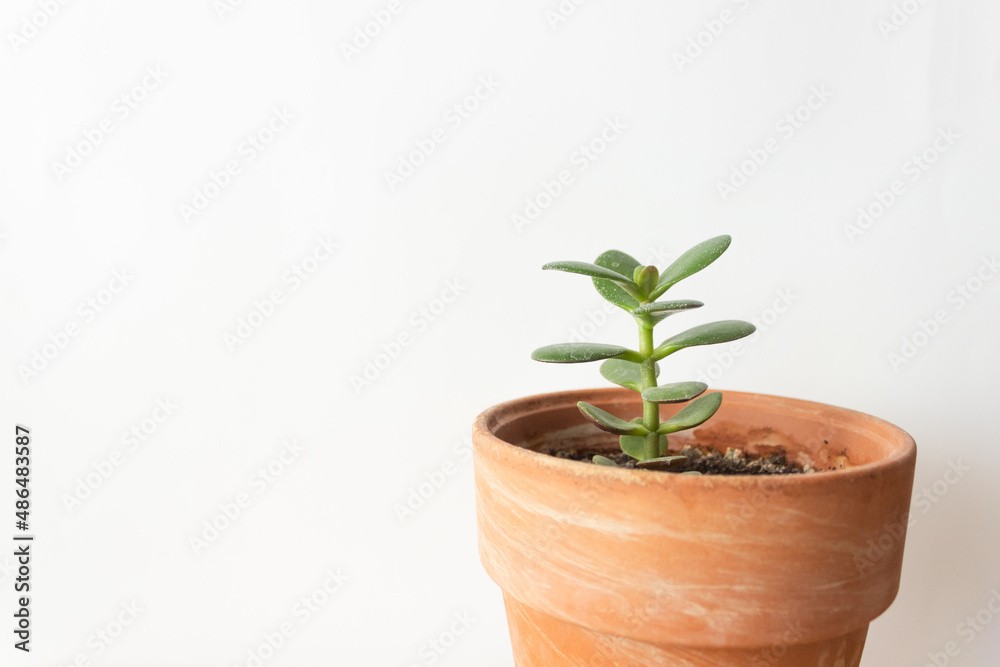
(701, 459)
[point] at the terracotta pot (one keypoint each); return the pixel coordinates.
(606, 567)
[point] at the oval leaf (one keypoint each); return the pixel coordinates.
(608, 422)
(675, 392)
(624, 373)
(635, 446)
(616, 260)
(693, 414)
(667, 307)
(604, 461)
(646, 277)
(705, 334)
(588, 269)
(574, 353)
(621, 263)
(691, 262)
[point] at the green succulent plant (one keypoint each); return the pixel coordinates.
(635, 288)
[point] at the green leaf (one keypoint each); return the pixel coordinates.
(635, 446)
(608, 422)
(666, 307)
(705, 334)
(604, 461)
(619, 262)
(675, 392)
(693, 414)
(646, 277)
(660, 462)
(588, 269)
(691, 262)
(574, 353)
(624, 373)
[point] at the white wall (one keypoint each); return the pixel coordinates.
(344, 119)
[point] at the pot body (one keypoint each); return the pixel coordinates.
(609, 567)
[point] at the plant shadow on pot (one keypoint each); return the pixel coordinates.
(604, 566)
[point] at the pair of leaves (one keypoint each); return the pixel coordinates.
(695, 413)
(614, 274)
(632, 434)
(723, 331)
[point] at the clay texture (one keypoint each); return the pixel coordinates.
(604, 566)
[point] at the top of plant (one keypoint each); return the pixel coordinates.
(623, 281)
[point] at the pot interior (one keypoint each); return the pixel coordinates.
(819, 436)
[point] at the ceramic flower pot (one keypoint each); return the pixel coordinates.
(609, 567)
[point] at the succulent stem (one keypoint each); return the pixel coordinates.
(647, 375)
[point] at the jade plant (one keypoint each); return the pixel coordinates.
(635, 288)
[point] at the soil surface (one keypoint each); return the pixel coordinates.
(701, 459)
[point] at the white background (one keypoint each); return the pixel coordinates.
(857, 292)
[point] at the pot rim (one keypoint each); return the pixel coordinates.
(903, 446)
